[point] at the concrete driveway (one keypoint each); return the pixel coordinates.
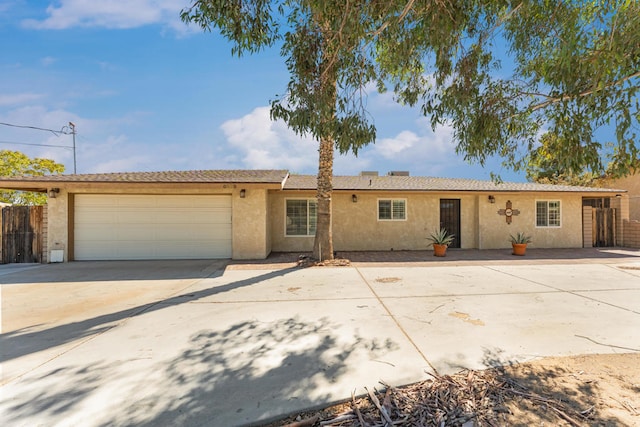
(206, 343)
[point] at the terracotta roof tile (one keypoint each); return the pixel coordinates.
(417, 183)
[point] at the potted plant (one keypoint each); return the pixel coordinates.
(519, 243)
(440, 239)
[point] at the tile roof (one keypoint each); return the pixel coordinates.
(418, 183)
(197, 176)
(304, 182)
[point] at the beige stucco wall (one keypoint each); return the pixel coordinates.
(57, 221)
(632, 185)
(258, 221)
(249, 214)
(495, 232)
(356, 227)
(250, 225)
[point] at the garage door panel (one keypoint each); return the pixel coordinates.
(92, 216)
(98, 250)
(192, 217)
(152, 227)
(94, 200)
(192, 250)
(195, 232)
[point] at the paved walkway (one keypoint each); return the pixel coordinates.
(210, 343)
(460, 257)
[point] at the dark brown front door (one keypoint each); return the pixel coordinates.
(450, 219)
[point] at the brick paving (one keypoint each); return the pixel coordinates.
(280, 260)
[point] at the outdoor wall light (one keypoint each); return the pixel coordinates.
(243, 193)
(492, 199)
(354, 198)
(618, 196)
(53, 192)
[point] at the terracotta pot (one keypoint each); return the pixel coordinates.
(439, 250)
(519, 248)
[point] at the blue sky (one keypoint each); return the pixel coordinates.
(148, 93)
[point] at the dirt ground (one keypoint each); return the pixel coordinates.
(586, 390)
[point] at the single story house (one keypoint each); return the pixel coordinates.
(247, 214)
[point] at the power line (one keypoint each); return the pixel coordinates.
(35, 145)
(65, 130)
(62, 131)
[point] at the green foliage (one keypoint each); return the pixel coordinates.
(573, 67)
(334, 50)
(15, 163)
(576, 68)
(441, 237)
(520, 238)
(544, 166)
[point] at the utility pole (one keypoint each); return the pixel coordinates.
(73, 133)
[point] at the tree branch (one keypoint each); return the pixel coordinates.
(402, 15)
(555, 100)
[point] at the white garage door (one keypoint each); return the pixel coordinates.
(120, 227)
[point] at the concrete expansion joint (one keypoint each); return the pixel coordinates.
(285, 300)
(576, 293)
(62, 353)
(395, 320)
(483, 294)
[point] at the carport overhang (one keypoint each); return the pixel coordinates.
(24, 186)
(71, 186)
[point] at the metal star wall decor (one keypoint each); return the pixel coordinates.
(509, 212)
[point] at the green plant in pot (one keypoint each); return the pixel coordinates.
(519, 243)
(440, 240)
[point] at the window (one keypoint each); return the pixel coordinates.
(392, 210)
(548, 213)
(301, 216)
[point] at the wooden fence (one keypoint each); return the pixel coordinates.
(604, 227)
(22, 234)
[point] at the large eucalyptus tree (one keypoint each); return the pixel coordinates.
(573, 66)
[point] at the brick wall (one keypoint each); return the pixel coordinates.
(632, 234)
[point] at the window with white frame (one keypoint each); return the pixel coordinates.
(392, 209)
(301, 217)
(548, 213)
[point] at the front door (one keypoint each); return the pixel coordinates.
(450, 219)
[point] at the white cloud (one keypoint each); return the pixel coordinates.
(392, 147)
(380, 101)
(264, 144)
(267, 144)
(119, 165)
(418, 150)
(110, 14)
(48, 60)
(422, 145)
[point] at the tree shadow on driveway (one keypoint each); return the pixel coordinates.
(247, 372)
(20, 343)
